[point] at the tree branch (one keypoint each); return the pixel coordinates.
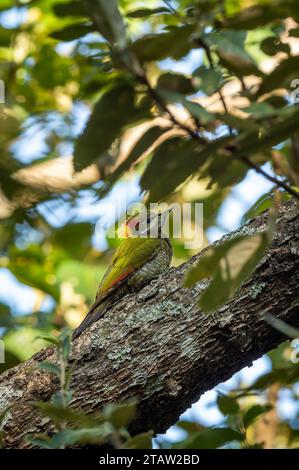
(158, 347)
(279, 183)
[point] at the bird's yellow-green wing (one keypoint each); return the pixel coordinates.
(131, 254)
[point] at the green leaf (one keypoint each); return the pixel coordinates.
(49, 367)
(277, 102)
(228, 405)
(109, 21)
(74, 238)
(259, 15)
(144, 143)
(293, 436)
(266, 380)
(294, 32)
(172, 162)
(228, 264)
(230, 41)
(52, 69)
(260, 110)
(232, 7)
(72, 8)
(210, 439)
(6, 36)
(280, 356)
(68, 437)
(207, 80)
(272, 45)
(254, 412)
(238, 65)
(230, 47)
(251, 143)
(34, 276)
(6, 319)
(66, 342)
(60, 400)
(97, 434)
(11, 360)
(285, 376)
(145, 12)
(195, 109)
(175, 43)
(111, 113)
(120, 415)
(263, 203)
(190, 427)
(22, 343)
(60, 414)
(31, 266)
(221, 168)
(72, 32)
(83, 276)
(43, 443)
(238, 123)
(49, 339)
(140, 441)
(175, 82)
(280, 77)
(6, 4)
(9, 185)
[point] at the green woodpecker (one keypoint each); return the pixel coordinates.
(136, 262)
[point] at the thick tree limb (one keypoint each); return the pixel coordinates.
(158, 347)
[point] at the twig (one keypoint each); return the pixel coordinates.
(274, 180)
(210, 60)
(173, 10)
(157, 98)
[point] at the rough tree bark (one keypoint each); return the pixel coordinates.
(159, 348)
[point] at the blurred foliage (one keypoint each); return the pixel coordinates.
(73, 427)
(202, 131)
(228, 265)
(250, 413)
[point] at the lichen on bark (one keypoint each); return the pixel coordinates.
(159, 348)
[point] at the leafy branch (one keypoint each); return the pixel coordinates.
(99, 11)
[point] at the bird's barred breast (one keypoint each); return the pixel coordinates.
(153, 268)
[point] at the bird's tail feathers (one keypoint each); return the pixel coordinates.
(97, 311)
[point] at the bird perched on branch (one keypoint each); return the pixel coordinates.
(142, 256)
